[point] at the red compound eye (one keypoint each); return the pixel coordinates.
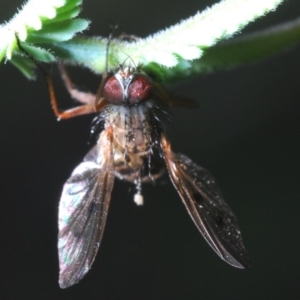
(113, 91)
(139, 89)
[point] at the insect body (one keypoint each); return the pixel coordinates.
(132, 146)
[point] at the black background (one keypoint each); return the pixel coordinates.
(245, 131)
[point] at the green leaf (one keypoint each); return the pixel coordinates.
(38, 53)
(26, 66)
(235, 52)
(40, 21)
(58, 31)
(69, 5)
(187, 38)
(2, 54)
(90, 52)
(70, 14)
(168, 55)
(250, 48)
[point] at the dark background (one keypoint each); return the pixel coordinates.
(245, 131)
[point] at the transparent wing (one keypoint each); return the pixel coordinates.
(82, 212)
(207, 208)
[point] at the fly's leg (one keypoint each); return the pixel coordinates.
(91, 104)
(69, 113)
(82, 97)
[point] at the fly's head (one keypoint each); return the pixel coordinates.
(127, 87)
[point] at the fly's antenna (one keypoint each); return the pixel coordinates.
(129, 38)
(107, 51)
(113, 28)
(106, 73)
(132, 61)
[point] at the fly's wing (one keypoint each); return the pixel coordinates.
(204, 202)
(82, 212)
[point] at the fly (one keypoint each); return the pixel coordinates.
(132, 146)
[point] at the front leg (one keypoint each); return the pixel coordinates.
(91, 104)
(82, 97)
(72, 112)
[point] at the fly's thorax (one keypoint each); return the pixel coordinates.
(131, 126)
